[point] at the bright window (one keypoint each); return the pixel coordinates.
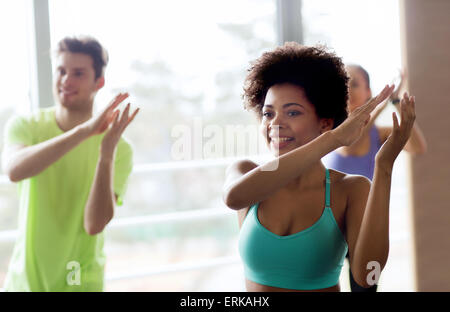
(14, 85)
(183, 62)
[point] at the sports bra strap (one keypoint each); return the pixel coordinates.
(327, 188)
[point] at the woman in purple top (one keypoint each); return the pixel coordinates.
(359, 158)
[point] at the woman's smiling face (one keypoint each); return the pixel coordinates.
(289, 120)
(358, 88)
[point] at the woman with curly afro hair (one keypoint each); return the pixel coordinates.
(297, 218)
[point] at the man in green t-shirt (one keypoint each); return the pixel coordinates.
(71, 168)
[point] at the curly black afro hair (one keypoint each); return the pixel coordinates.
(319, 72)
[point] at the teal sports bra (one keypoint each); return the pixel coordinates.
(307, 260)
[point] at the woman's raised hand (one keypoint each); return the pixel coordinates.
(351, 129)
(396, 93)
(400, 132)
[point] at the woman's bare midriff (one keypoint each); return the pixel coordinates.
(255, 287)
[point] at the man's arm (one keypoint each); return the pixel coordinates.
(99, 209)
(21, 162)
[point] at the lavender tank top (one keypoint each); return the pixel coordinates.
(362, 165)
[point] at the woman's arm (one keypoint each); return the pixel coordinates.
(262, 181)
(416, 143)
(259, 183)
(369, 236)
(367, 221)
(394, 95)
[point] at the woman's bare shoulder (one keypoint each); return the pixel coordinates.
(241, 166)
(348, 182)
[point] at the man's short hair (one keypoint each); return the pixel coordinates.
(86, 45)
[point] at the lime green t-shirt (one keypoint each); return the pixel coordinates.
(53, 252)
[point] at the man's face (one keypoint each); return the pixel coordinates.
(75, 82)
